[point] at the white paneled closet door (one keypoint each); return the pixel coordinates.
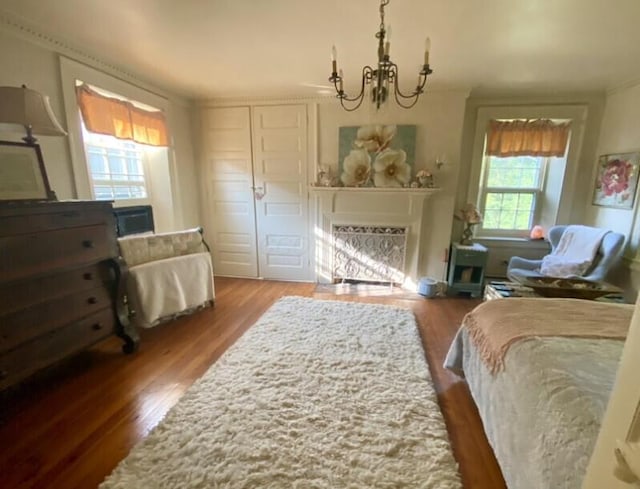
(280, 177)
(228, 173)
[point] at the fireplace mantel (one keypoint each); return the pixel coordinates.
(368, 206)
(376, 190)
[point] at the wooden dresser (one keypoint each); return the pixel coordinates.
(61, 284)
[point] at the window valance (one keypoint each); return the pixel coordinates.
(533, 137)
(121, 119)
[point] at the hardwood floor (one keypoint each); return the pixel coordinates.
(70, 427)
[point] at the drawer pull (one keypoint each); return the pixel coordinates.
(96, 326)
(87, 243)
(70, 214)
(87, 276)
(92, 300)
(3, 374)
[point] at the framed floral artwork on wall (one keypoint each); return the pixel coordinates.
(376, 155)
(617, 180)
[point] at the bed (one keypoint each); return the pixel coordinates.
(541, 378)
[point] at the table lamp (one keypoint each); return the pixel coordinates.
(31, 110)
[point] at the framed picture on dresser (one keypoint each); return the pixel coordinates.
(22, 173)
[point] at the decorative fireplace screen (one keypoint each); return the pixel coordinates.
(369, 253)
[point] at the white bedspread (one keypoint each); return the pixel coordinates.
(543, 412)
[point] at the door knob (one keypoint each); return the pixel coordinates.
(258, 192)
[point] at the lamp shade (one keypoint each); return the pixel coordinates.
(31, 109)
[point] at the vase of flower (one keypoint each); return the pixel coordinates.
(470, 216)
(467, 234)
(425, 179)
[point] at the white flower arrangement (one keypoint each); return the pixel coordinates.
(424, 174)
(425, 178)
(469, 214)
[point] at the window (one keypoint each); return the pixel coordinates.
(520, 173)
(120, 136)
(511, 193)
(116, 167)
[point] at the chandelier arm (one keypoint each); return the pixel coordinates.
(355, 107)
(399, 100)
(366, 76)
(422, 81)
(367, 72)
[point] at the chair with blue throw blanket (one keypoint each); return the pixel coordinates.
(576, 251)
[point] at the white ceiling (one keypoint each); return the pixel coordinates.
(222, 48)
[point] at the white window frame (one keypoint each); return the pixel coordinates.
(70, 72)
(558, 207)
(537, 192)
(163, 184)
(144, 160)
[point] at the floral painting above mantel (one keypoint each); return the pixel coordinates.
(617, 180)
(376, 155)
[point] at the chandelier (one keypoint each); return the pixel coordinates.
(382, 79)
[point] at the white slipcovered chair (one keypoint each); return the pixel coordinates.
(170, 274)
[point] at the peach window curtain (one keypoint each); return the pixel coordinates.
(121, 119)
(533, 137)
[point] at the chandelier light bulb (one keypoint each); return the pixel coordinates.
(427, 48)
(334, 59)
(387, 44)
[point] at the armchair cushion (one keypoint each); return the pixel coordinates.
(559, 266)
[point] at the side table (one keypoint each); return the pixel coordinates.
(466, 269)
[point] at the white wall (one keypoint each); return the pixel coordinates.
(439, 118)
(591, 103)
(620, 133)
(25, 63)
(584, 109)
(35, 64)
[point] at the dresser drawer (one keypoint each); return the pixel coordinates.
(24, 325)
(44, 219)
(24, 293)
(34, 254)
(30, 357)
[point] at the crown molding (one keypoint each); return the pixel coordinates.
(21, 28)
(624, 86)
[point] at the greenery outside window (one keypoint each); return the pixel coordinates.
(511, 192)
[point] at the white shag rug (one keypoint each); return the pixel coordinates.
(317, 394)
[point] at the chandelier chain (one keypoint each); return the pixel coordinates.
(383, 4)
